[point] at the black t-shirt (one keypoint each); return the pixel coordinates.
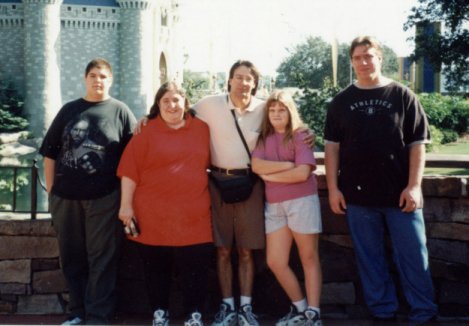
(86, 140)
(375, 128)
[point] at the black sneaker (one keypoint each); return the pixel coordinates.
(312, 318)
(246, 317)
(292, 318)
(225, 316)
(160, 318)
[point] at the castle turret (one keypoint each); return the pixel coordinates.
(41, 62)
(136, 54)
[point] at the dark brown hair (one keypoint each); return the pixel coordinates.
(98, 63)
(166, 87)
(254, 72)
(367, 41)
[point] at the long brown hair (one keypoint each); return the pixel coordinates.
(166, 87)
(294, 121)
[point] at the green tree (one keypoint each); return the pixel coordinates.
(448, 50)
(12, 117)
(310, 63)
(195, 85)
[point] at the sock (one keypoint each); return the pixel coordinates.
(301, 305)
(315, 309)
(229, 301)
(244, 300)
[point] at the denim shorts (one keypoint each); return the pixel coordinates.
(302, 215)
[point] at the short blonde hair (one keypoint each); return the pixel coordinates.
(294, 123)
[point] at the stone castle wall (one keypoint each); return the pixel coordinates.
(31, 281)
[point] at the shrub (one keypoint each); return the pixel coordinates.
(449, 136)
(437, 137)
(12, 117)
(446, 112)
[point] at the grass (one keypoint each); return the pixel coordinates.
(461, 146)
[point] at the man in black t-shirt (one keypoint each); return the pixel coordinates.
(81, 152)
(375, 133)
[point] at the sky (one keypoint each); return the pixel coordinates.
(215, 33)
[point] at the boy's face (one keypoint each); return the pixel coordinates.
(98, 82)
(366, 62)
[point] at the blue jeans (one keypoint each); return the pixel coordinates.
(407, 232)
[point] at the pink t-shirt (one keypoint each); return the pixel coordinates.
(295, 151)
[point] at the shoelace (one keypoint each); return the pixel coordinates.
(250, 316)
(220, 316)
(159, 318)
(196, 319)
(311, 318)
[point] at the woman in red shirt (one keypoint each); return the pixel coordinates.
(165, 191)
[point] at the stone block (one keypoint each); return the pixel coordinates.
(341, 240)
(13, 288)
(338, 293)
(450, 231)
(7, 307)
(49, 282)
(46, 264)
(460, 211)
(453, 187)
(454, 292)
(15, 247)
(332, 224)
(449, 271)
(15, 271)
(450, 251)
(437, 209)
(39, 304)
(337, 263)
(27, 227)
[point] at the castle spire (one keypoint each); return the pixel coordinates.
(41, 62)
(136, 54)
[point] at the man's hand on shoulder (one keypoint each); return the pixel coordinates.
(140, 125)
(309, 137)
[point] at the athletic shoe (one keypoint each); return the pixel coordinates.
(160, 318)
(225, 316)
(312, 318)
(293, 318)
(246, 317)
(194, 320)
(74, 321)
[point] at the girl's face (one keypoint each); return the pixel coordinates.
(172, 108)
(279, 116)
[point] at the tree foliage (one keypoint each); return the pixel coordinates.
(311, 63)
(195, 85)
(448, 49)
(12, 117)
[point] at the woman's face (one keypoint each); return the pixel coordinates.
(279, 116)
(172, 108)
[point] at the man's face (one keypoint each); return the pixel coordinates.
(98, 81)
(79, 132)
(366, 62)
(242, 83)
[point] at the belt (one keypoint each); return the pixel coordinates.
(231, 171)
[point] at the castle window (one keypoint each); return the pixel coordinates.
(113, 11)
(13, 6)
(69, 8)
(84, 9)
(99, 9)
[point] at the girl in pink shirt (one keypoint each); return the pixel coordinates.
(292, 212)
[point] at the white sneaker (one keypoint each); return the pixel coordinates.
(74, 321)
(194, 320)
(312, 318)
(160, 318)
(293, 318)
(246, 317)
(225, 316)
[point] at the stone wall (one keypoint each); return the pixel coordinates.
(31, 282)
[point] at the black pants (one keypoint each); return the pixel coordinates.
(89, 236)
(191, 263)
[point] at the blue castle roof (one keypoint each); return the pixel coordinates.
(107, 3)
